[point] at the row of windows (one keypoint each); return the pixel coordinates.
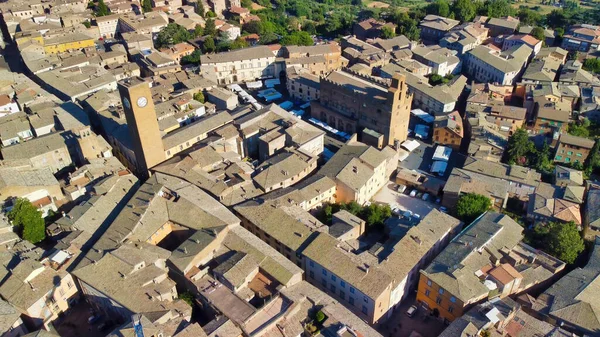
(334, 279)
(440, 291)
(342, 293)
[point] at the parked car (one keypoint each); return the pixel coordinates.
(93, 319)
(411, 311)
(401, 188)
(425, 197)
(407, 214)
(413, 193)
(396, 211)
(443, 209)
(420, 195)
(416, 216)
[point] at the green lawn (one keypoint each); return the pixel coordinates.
(542, 9)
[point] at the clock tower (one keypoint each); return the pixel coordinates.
(142, 123)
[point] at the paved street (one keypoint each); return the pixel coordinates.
(400, 325)
(389, 196)
(74, 322)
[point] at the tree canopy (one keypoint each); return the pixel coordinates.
(538, 33)
(471, 205)
(199, 96)
(297, 39)
(101, 9)
(498, 8)
(209, 45)
(147, 6)
(592, 163)
(172, 34)
(439, 7)
(561, 240)
(592, 64)
(407, 26)
(28, 220)
(387, 32)
(210, 28)
(520, 148)
(580, 128)
(529, 17)
(238, 43)
(374, 215)
(199, 8)
(464, 10)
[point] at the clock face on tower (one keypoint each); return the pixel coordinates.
(142, 101)
(126, 103)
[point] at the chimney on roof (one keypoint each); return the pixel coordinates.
(354, 169)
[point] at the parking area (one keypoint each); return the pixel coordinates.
(421, 324)
(388, 195)
(74, 323)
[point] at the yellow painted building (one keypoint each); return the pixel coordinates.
(432, 296)
(66, 43)
(23, 37)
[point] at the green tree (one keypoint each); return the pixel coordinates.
(564, 241)
(247, 4)
(199, 96)
(147, 6)
(187, 297)
(309, 27)
(239, 43)
(210, 28)
(200, 8)
(498, 8)
(193, 58)
(268, 38)
(407, 26)
(375, 215)
(101, 9)
(297, 39)
(293, 23)
(557, 18)
(211, 14)
(352, 207)
(471, 205)
(439, 7)
(172, 34)
(87, 24)
(28, 220)
(543, 159)
(593, 160)
(464, 10)
(436, 79)
(580, 129)
(577, 166)
(209, 45)
(254, 27)
(529, 17)
(538, 33)
(519, 149)
(198, 31)
(387, 32)
(592, 64)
